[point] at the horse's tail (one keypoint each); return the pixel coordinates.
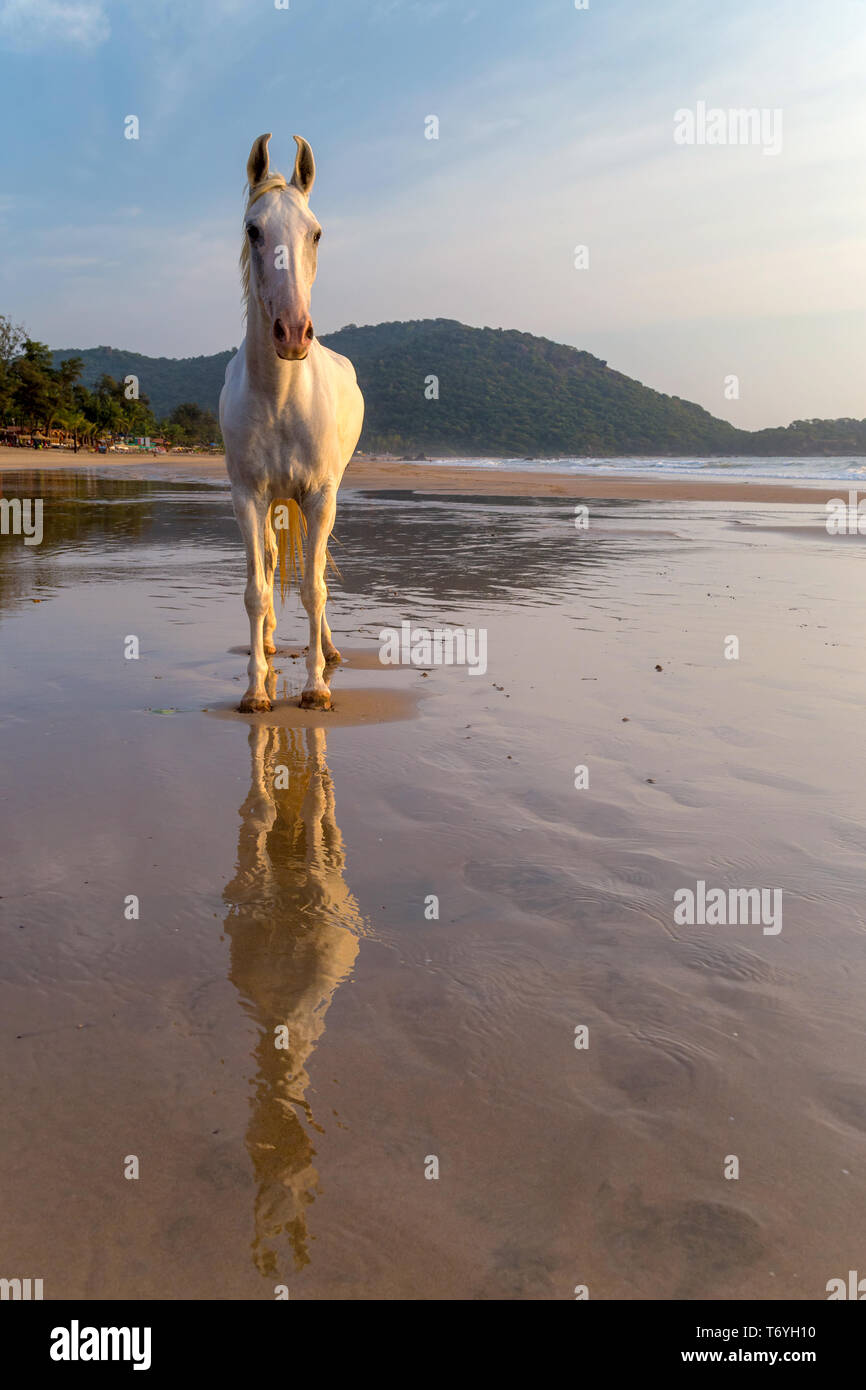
(290, 526)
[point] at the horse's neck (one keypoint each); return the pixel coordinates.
(265, 371)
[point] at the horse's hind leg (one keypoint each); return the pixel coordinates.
(252, 520)
(320, 508)
(329, 651)
(270, 623)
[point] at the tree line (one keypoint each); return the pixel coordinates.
(37, 396)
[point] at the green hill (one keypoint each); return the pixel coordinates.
(166, 381)
(504, 392)
(500, 392)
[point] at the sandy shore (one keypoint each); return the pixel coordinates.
(284, 868)
(386, 474)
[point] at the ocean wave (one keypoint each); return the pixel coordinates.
(795, 470)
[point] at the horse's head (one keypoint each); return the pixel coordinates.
(281, 240)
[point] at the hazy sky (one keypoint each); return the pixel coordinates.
(556, 129)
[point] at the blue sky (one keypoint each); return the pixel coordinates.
(556, 130)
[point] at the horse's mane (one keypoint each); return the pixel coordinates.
(272, 181)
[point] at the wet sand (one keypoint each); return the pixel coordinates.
(284, 877)
(350, 706)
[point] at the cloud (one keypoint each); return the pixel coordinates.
(26, 25)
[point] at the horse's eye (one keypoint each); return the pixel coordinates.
(253, 233)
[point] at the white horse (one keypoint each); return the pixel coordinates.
(291, 415)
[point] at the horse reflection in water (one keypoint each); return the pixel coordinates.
(294, 928)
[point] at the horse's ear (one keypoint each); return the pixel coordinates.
(258, 163)
(305, 167)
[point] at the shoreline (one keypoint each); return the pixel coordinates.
(374, 475)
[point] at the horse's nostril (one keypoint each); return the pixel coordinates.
(309, 332)
(279, 331)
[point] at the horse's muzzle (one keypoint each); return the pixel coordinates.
(292, 340)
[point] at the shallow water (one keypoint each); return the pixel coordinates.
(282, 875)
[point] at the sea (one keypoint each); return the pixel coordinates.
(818, 470)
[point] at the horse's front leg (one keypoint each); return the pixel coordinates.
(252, 516)
(320, 508)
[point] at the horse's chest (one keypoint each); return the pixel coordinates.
(285, 451)
(283, 441)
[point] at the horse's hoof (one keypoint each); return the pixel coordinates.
(255, 704)
(332, 657)
(316, 699)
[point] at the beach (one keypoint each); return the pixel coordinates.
(381, 474)
(507, 1070)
